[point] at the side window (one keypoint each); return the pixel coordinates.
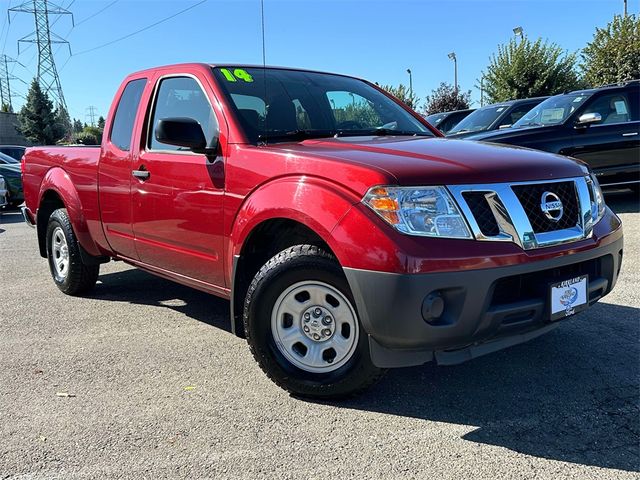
(518, 112)
(612, 107)
(181, 97)
(125, 116)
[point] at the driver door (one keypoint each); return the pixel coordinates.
(178, 198)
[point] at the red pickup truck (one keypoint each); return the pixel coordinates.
(347, 234)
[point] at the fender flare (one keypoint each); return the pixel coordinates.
(313, 202)
(58, 181)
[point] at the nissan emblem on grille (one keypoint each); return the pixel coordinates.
(551, 206)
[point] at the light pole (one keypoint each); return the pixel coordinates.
(410, 87)
(452, 56)
(625, 8)
(482, 91)
(519, 32)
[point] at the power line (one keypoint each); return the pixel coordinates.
(142, 29)
(95, 14)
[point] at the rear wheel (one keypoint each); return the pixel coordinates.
(70, 274)
(303, 329)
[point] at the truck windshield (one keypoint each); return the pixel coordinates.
(289, 105)
(479, 120)
(552, 111)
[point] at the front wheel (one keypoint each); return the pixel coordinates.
(70, 274)
(303, 328)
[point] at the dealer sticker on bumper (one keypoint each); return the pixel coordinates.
(569, 297)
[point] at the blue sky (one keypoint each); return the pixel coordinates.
(375, 39)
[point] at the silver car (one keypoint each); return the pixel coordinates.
(4, 193)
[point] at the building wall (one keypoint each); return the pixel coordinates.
(8, 132)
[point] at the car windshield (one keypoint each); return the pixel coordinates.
(552, 111)
(435, 119)
(479, 120)
(289, 105)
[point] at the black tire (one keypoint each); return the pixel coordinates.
(77, 278)
(298, 264)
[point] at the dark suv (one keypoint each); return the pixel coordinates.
(445, 121)
(600, 126)
(493, 117)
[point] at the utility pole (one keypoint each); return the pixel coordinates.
(452, 56)
(42, 37)
(410, 87)
(482, 91)
(5, 78)
(91, 113)
(625, 8)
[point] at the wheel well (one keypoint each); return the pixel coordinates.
(51, 201)
(265, 241)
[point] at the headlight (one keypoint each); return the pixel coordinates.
(597, 199)
(425, 211)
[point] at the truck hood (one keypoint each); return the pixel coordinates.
(437, 161)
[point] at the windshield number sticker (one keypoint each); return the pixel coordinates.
(238, 74)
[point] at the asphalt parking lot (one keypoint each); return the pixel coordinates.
(143, 380)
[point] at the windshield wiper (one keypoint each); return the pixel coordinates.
(295, 135)
(381, 132)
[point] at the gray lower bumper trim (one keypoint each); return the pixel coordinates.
(26, 217)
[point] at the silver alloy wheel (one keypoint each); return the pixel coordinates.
(315, 326)
(60, 252)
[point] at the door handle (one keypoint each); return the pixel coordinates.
(630, 134)
(141, 174)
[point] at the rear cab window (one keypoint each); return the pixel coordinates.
(125, 115)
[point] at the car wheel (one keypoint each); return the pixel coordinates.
(69, 273)
(303, 329)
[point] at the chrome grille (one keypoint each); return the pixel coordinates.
(511, 212)
(530, 195)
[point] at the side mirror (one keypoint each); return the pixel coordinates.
(588, 118)
(182, 132)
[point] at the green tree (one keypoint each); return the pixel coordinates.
(62, 118)
(528, 69)
(77, 126)
(614, 53)
(402, 93)
(101, 122)
(6, 108)
(88, 136)
(38, 121)
(446, 98)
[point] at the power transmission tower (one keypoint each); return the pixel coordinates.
(91, 113)
(5, 79)
(43, 38)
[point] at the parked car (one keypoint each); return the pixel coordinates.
(4, 193)
(600, 126)
(14, 151)
(348, 240)
(10, 170)
(493, 117)
(445, 121)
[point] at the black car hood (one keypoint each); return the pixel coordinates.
(509, 133)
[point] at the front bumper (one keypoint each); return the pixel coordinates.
(484, 310)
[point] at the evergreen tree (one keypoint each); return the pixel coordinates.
(101, 122)
(38, 121)
(77, 126)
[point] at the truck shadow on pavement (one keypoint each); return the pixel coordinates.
(136, 286)
(571, 395)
